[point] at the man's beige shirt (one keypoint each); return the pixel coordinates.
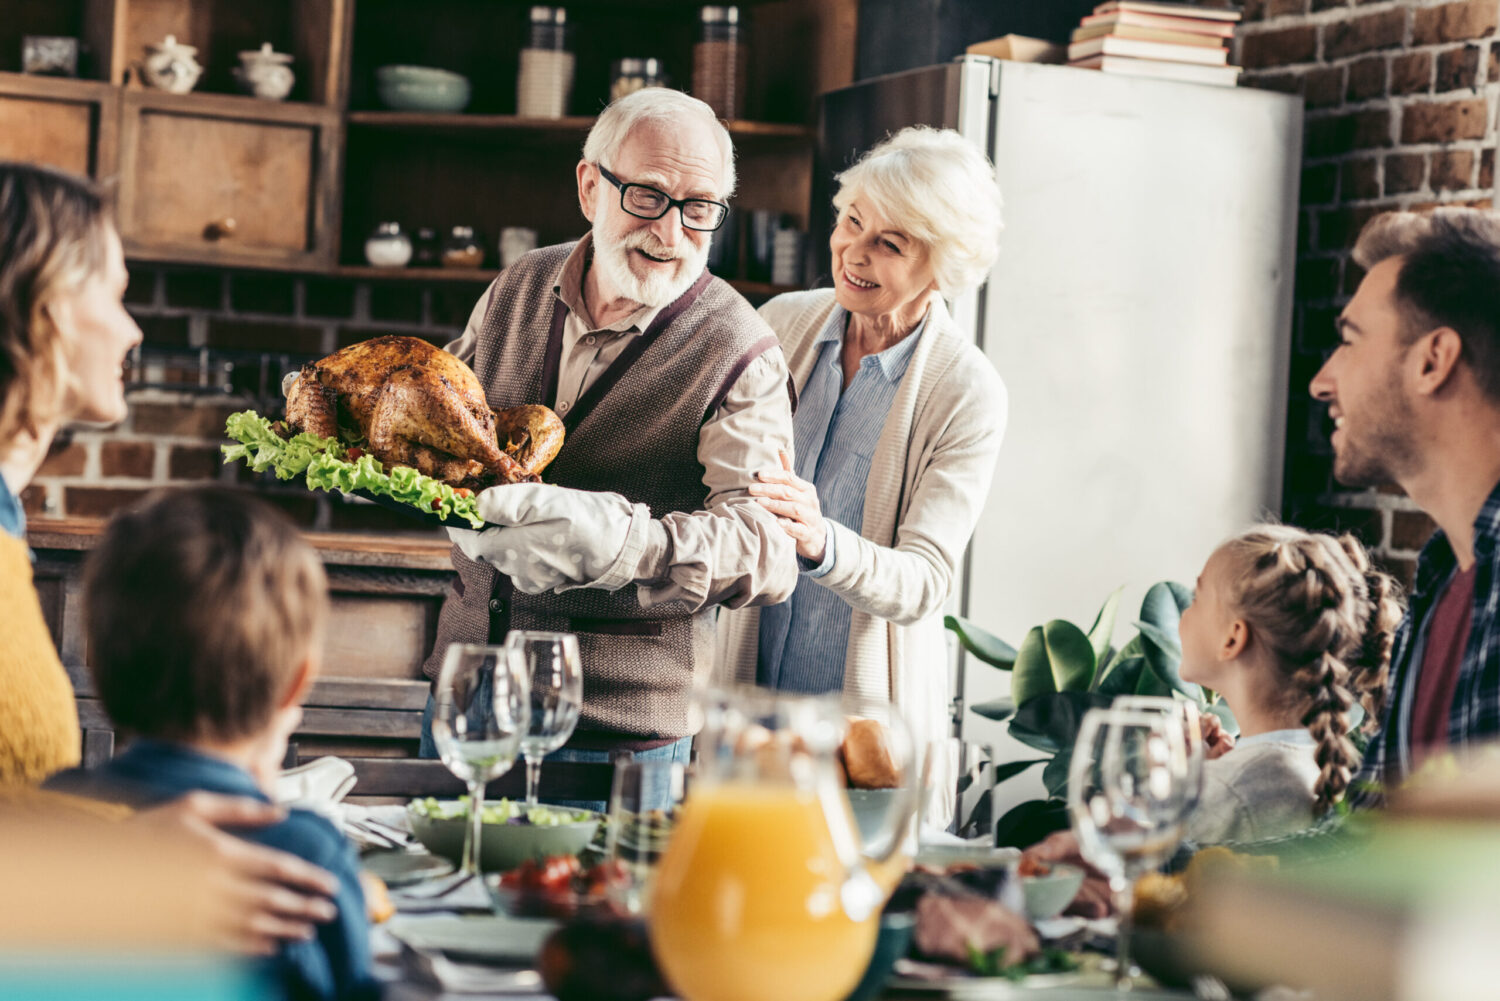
(702, 557)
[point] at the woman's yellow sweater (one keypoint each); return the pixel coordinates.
(38, 718)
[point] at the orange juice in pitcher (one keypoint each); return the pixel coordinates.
(763, 894)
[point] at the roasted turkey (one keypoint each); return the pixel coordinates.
(417, 405)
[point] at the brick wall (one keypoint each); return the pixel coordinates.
(218, 341)
(1401, 101)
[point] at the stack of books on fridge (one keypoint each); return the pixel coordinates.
(1172, 41)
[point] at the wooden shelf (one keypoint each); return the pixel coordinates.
(571, 127)
(363, 272)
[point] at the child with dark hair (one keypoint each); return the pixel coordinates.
(1290, 627)
(205, 615)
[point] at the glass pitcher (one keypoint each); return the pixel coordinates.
(765, 892)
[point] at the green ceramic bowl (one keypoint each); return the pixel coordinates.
(1047, 896)
(422, 88)
(503, 846)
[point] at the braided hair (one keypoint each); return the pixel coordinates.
(1328, 619)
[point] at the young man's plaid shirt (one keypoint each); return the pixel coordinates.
(1475, 715)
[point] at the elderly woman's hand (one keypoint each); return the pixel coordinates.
(794, 501)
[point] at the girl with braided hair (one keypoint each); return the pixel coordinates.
(1290, 627)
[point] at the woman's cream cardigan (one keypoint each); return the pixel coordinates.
(928, 481)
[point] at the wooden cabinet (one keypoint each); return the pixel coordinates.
(227, 180)
(71, 124)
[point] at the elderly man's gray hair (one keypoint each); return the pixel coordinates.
(939, 189)
(655, 104)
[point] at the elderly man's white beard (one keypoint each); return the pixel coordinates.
(655, 290)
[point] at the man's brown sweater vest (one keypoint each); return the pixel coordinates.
(634, 431)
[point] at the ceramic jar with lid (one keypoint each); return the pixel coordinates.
(462, 249)
(171, 66)
(265, 73)
(388, 246)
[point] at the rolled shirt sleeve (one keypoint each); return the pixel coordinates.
(732, 552)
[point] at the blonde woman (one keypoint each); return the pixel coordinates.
(897, 431)
(64, 339)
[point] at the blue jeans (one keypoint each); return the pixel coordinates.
(680, 750)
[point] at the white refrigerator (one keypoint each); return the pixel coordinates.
(1139, 314)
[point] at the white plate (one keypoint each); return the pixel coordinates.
(398, 868)
(494, 938)
(1087, 984)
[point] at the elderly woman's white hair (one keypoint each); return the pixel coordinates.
(934, 185)
(655, 104)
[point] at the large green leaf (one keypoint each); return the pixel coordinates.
(1055, 775)
(1103, 628)
(1130, 649)
(987, 647)
(999, 710)
(1133, 676)
(1057, 657)
(1011, 769)
(1161, 615)
(1050, 721)
(1029, 822)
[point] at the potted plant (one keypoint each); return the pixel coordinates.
(1061, 672)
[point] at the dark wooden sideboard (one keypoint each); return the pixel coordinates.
(367, 702)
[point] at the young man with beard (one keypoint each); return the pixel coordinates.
(1414, 392)
(673, 391)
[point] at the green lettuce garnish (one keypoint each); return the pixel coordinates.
(324, 464)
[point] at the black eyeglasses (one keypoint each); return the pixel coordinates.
(646, 202)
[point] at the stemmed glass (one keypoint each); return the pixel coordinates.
(483, 705)
(1192, 731)
(1129, 795)
(555, 670)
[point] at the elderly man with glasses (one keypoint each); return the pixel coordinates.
(673, 392)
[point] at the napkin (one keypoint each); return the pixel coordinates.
(318, 785)
(428, 898)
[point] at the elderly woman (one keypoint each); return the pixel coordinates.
(897, 432)
(64, 339)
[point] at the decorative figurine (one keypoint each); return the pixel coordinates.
(49, 55)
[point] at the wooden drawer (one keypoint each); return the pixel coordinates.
(227, 180)
(71, 124)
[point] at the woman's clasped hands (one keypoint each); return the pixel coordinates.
(794, 501)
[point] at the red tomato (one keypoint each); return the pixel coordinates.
(354, 453)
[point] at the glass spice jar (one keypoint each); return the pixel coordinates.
(462, 249)
(544, 83)
(627, 76)
(719, 59)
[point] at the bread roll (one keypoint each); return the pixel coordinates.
(867, 756)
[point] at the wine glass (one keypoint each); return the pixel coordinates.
(481, 715)
(1192, 732)
(1128, 794)
(555, 670)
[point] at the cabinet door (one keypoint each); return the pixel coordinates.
(69, 124)
(227, 180)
